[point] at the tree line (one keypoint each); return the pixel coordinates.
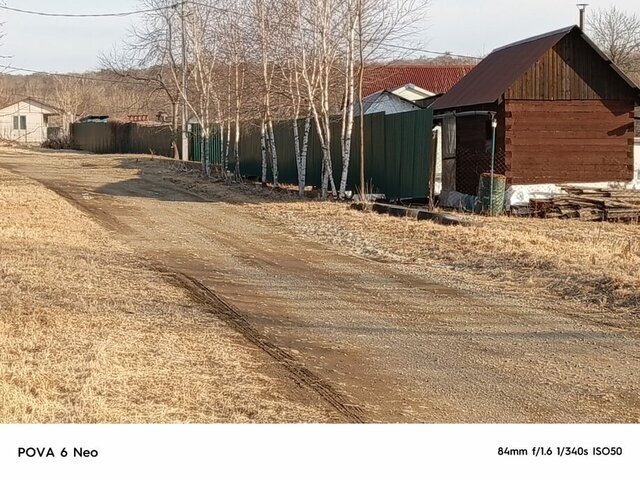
(262, 60)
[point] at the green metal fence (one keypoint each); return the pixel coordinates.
(397, 150)
(397, 153)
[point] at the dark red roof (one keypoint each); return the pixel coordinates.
(498, 71)
(435, 78)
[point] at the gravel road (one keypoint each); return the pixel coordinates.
(376, 342)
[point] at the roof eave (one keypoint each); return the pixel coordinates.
(610, 62)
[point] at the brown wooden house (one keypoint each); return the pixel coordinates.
(564, 112)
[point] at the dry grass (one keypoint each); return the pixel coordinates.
(593, 263)
(87, 334)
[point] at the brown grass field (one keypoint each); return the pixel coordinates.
(89, 335)
(508, 320)
(596, 263)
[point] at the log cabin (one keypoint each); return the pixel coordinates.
(564, 111)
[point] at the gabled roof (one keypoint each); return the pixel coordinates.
(371, 100)
(413, 89)
(434, 78)
(500, 70)
(33, 100)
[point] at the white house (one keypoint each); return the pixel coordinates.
(26, 121)
(387, 102)
(413, 93)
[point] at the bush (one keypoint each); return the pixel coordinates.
(60, 143)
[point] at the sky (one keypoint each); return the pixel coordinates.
(469, 27)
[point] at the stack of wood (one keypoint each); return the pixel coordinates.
(590, 204)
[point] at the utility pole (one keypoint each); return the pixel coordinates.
(185, 136)
(582, 7)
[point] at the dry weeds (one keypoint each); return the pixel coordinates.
(88, 334)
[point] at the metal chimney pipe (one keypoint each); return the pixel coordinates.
(582, 7)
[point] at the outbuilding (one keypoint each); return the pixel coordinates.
(563, 110)
(28, 121)
(387, 102)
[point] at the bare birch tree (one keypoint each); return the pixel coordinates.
(266, 29)
(232, 58)
(203, 43)
(319, 36)
(149, 56)
(292, 76)
(380, 22)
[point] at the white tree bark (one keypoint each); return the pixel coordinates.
(347, 117)
(263, 150)
(273, 152)
(301, 151)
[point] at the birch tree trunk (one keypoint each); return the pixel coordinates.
(236, 146)
(301, 151)
(227, 153)
(273, 153)
(302, 177)
(347, 118)
(296, 146)
(263, 150)
(222, 147)
(174, 129)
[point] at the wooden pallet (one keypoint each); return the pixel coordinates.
(590, 204)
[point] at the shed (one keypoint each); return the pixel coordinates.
(27, 121)
(564, 115)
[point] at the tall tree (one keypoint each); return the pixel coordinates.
(151, 55)
(617, 32)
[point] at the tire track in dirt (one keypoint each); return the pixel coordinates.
(222, 310)
(302, 375)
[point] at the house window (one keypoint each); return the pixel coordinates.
(20, 122)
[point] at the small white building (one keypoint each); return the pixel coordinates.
(413, 93)
(26, 121)
(387, 102)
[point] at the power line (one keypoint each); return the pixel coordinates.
(212, 7)
(88, 15)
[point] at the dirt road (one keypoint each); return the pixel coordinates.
(375, 342)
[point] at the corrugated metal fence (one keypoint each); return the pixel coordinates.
(397, 153)
(123, 138)
(397, 150)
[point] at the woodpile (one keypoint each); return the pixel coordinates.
(590, 204)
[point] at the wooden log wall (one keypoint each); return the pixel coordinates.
(568, 141)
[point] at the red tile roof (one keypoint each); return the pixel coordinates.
(435, 78)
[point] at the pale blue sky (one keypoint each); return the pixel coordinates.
(461, 26)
